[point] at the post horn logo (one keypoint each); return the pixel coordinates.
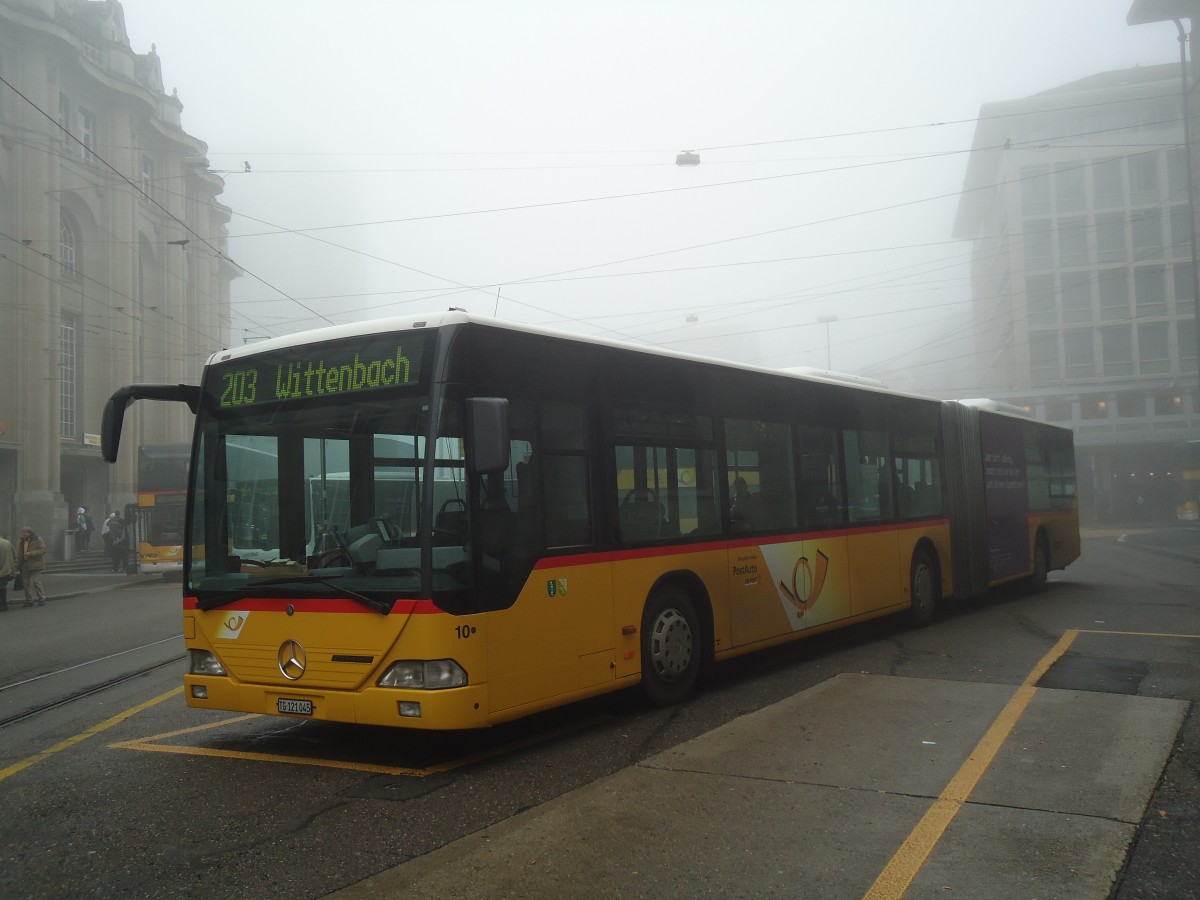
(806, 584)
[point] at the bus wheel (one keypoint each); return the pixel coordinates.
(1041, 563)
(670, 646)
(923, 586)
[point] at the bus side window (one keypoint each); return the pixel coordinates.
(759, 463)
(820, 477)
(868, 475)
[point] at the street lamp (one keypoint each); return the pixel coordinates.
(827, 321)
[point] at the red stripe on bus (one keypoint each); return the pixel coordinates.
(608, 556)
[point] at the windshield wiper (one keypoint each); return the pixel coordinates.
(383, 607)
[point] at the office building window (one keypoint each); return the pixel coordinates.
(1185, 333)
(1176, 173)
(1110, 238)
(1069, 192)
(1039, 251)
(1153, 356)
(1041, 301)
(1076, 297)
(1073, 241)
(1168, 403)
(1181, 232)
(1094, 406)
(1035, 190)
(1150, 291)
(1116, 345)
(1043, 358)
(1185, 289)
(1078, 353)
(1147, 235)
(1107, 183)
(1143, 177)
(1113, 285)
(1131, 405)
(1058, 410)
(66, 377)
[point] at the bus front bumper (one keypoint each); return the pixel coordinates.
(451, 708)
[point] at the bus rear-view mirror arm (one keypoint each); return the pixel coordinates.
(114, 409)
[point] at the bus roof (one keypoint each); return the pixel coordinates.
(462, 317)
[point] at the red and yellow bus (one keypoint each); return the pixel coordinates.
(448, 522)
(161, 506)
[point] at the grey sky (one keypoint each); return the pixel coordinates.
(435, 145)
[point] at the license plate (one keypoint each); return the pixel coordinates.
(296, 707)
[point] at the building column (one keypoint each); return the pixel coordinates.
(38, 502)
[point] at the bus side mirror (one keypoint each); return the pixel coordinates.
(114, 409)
(487, 434)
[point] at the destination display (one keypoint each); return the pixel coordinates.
(315, 371)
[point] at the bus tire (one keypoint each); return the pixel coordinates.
(923, 588)
(1041, 563)
(671, 653)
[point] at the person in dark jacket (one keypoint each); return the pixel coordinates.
(118, 543)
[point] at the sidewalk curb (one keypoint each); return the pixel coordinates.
(131, 581)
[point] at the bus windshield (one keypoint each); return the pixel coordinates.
(319, 482)
(293, 499)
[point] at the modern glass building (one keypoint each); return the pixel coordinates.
(1084, 285)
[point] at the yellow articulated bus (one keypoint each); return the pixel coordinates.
(449, 522)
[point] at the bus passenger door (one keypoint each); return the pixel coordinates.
(558, 637)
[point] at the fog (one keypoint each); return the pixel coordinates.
(519, 159)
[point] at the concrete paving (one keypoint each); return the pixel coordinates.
(814, 795)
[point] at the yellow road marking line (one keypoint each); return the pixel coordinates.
(83, 736)
(1153, 634)
(274, 758)
(898, 874)
(149, 744)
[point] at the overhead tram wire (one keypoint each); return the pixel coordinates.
(242, 154)
(487, 288)
(93, 326)
(215, 250)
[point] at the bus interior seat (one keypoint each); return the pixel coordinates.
(366, 548)
(641, 518)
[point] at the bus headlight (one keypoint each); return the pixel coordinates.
(203, 662)
(426, 675)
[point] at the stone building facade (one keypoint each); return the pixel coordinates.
(112, 257)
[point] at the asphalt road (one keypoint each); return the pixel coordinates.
(125, 792)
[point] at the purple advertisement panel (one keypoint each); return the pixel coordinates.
(1006, 495)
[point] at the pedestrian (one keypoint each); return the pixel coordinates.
(85, 519)
(105, 533)
(8, 571)
(82, 529)
(32, 559)
(118, 543)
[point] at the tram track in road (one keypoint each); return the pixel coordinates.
(90, 690)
